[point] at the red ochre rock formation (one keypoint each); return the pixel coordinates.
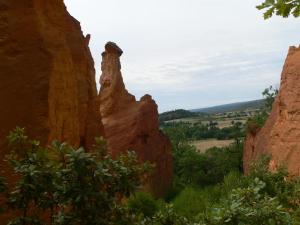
(47, 73)
(133, 125)
(47, 76)
(280, 136)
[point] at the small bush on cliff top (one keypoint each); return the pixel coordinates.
(258, 121)
(65, 186)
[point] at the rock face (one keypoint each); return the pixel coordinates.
(47, 76)
(131, 124)
(280, 136)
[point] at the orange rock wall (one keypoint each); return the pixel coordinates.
(280, 136)
(47, 73)
(47, 77)
(131, 124)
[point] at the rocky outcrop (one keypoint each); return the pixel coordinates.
(280, 136)
(47, 73)
(131, 124)
(47, 76)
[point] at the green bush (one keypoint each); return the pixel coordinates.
(255, 123)
(175, 189)
(167, 216)
(262, 198)
(248, 206)
(191, 201)
(194, 200)
(143, 203)
(73, 186)
(278, 183)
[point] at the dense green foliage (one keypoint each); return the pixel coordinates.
(70, 186)
(74, 187)
(282, 8)
(193, 200)
(209, 188)
(248, 205)
(201, 169)
(263, 197)
(201, 131)
(142, 203)
(208, 168)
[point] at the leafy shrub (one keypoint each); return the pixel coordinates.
(167, 216)
(191, 201)
(249, 206)
(72, 186)
(255, 123)
(263, 197)
(194, 200)
(143, 203)
(278, 183)
(175, 189)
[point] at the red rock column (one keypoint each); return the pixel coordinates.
(133, 125)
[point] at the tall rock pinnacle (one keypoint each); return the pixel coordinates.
(133, 125)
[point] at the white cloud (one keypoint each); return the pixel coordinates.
(189, 54)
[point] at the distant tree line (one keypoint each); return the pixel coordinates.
(178, 114)
(201, 131)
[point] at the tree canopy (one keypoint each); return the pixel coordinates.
(283, 8)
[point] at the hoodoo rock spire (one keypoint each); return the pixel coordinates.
(133, 125)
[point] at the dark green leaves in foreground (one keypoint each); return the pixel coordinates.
(283, 8)
(65, 186)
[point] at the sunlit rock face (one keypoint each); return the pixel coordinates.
(133, 125)
(47, 73)
(280, 136)
(47, 77)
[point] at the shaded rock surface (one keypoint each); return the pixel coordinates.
(131, 124)
(280, 136)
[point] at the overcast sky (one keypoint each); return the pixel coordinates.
(190, 53)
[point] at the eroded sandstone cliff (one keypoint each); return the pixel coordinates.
(280, 136)
(131, 124)
(47, 77)
(47, 73)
